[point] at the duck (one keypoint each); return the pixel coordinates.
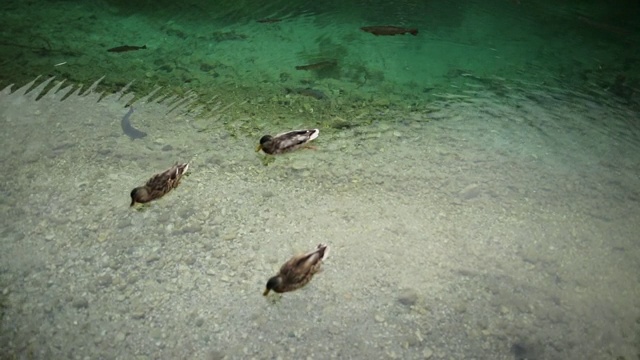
(286, 142)
(159, 184)
(298, 271)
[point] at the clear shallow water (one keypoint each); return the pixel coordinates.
(478, 206)
(479, 229)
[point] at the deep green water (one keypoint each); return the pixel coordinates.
(219, 48)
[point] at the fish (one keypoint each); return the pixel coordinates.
(389, 30)
(124, 48)
(318, 65)
(268, 20)
(129, 130)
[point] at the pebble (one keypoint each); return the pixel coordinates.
(427, 353)
(408, 297)
(155, 334)
(104, 280)
(299, 165)
(120, 337)
(114, 264)
(80, 303)
(102, 237)
(207, 246)
(189, 229)
(469, 192)
(460, 307)
(187, 213)
(133, 278)
(216, 355)
(379, 318)
(504, 310)
(230, 235)
(190, 260)
(138, 314)
(199, 322)
(18, 236)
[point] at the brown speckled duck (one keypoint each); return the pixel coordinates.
(298, 271)
(286, 142)
(159, 184)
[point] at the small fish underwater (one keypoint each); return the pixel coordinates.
(389, 30)
(128, 129)
(125, 48)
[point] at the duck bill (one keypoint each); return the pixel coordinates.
(266, 292)
(259, 147)
(314, 134)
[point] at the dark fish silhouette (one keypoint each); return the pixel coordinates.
(129, 130)
(124, 48)
(389, 30)
(269, 20)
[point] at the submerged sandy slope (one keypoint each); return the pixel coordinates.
(486, 228)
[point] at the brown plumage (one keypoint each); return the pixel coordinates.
(286, 142)
(159, 184)
(298, 271)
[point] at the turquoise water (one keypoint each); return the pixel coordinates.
(477, 183)
(222, 50)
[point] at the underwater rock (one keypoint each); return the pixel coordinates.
(408, 297)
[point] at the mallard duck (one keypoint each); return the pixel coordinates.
(298, 271)
(159, 184)
(286, 142)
